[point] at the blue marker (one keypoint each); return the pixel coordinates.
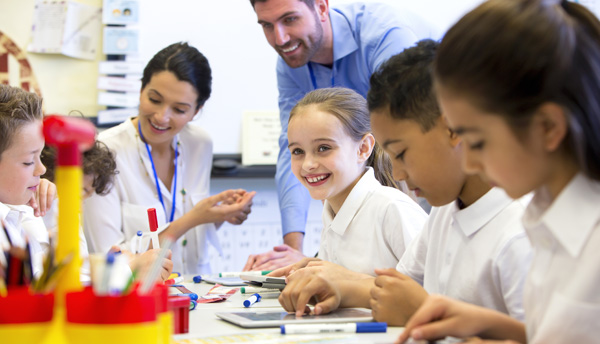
(192, 296)
(334, 328)
(138, 240)
(105, 283)
(252, 300)
(197, 279)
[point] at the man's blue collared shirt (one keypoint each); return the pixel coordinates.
(364, 36)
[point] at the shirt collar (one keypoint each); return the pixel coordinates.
(344, 42)
(571, 217)
(339, 222)
(472, 218)
(12, 215)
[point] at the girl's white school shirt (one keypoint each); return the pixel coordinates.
(562, 293)
(114, 219)
(372, 228)
(479, 254)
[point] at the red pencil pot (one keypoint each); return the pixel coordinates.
(124, 319)
(180, 305)
(25, 317)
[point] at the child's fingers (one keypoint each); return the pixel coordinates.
(388, 272)
(433, 309)
(326, 306)
(249, 262)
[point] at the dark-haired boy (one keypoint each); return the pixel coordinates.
(473, 246)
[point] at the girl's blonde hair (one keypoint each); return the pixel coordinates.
(350, 108)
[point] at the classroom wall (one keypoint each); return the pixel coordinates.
(225, 31)
(66, 83)
(244, 77)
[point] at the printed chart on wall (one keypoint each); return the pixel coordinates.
(67, 28)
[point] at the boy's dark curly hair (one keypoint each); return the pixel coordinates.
(98, 161)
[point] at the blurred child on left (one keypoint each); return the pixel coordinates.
(21, 144)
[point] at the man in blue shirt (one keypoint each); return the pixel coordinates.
(321, 47)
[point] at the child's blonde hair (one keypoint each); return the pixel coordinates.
(350, 108)
(17, 108)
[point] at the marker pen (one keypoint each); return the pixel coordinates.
(252, 300)
(104, 284)
(251, 290)
(153, 222)
(175, 280)
(237, 274)
(360, 327)
(138, 238)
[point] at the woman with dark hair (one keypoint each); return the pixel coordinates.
(164, 162)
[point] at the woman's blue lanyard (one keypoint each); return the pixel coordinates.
(174, 193)
(314, 79)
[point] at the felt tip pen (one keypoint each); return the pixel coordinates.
(360, 327)
(252, 290)
(252, 300)
(153, 222)
(138, 241)
(238, 274)
(104, 284)
(192, 296)
(175, 280)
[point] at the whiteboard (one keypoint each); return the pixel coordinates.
(242, 62)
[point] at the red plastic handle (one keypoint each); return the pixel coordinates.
(71, 135)
(152, 220)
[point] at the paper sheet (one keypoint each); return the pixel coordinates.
(66, 27)
(260, 137)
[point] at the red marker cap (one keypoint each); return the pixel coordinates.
(152, 219)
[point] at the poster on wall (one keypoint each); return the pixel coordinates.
(67, 28)
(120, 12)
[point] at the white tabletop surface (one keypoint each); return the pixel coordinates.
(204, 323)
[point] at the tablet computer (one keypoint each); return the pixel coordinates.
(226, 281)
(278, 318)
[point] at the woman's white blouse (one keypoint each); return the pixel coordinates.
(114, 219)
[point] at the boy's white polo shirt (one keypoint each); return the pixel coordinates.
(562, 294)
(373, 227)
(479, 254)
(12, 217)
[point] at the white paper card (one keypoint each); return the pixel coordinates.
(120, 67)
(120, 12)
(121, 41)
(115, 115)
(119, 84)
(118, 99)
(260, 137)
(67, 27)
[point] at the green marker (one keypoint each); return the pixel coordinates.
(238, 274)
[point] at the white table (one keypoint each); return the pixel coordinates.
(204, 323)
